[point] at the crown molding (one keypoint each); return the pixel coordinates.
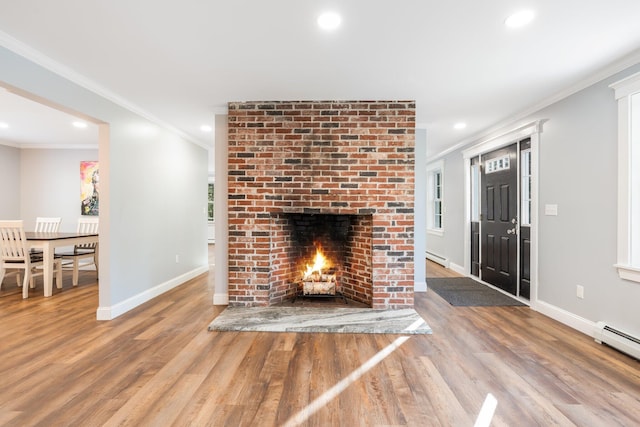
(58, 146)
(9, 143)
(38, 146)
(620, 65)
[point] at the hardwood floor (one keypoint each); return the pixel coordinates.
(158, 365)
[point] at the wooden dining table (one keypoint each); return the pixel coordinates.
(48, 242)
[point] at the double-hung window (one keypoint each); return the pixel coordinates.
(435, 197)
(627, 93)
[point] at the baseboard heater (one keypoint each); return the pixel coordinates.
(437, 259)
(617, 339)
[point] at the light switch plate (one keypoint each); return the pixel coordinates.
(551, 210)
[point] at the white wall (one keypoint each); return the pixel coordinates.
(578, 172)
(153, 192)
(9, 183)
(221, 282)
(420, 211)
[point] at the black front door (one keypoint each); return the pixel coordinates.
(499, 219)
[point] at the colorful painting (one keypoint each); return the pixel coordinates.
(89, 188)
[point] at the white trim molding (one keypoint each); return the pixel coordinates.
(502, 139)
(627, 264)
(565, 317)
(518, 132)
(628, 272)
(221, 299)
(111, 312)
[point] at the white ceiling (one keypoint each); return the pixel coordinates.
(183, 61)
(34, 125)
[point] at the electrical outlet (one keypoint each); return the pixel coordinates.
(580, 291)
(177, 259)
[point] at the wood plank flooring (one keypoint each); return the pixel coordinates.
(159, 366)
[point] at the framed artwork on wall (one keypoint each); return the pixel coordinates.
(89, 188)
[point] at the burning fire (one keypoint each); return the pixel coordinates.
(319, 263)
(320, 277)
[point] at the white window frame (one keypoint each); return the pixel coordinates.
(432, 170)
(627, 93)
(211, 202)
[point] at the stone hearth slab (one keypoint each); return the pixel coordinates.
(320, 319)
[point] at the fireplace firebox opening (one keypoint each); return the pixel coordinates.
(321, 255)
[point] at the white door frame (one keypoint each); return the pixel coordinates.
(493, 142)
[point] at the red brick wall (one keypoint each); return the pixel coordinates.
(351, 157)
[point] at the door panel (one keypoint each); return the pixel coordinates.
(499, 238)
(505, 253)
(505, 214)
(490, 262)
(490, 203)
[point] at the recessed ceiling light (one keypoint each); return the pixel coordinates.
(206, 128)
(519, 19)
(460, 125)
(79, 125)
(329, 21)
(4, 125)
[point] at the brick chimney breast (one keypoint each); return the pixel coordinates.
(353, 158)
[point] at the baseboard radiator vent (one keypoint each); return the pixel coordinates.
(437, 259)
(617, 339)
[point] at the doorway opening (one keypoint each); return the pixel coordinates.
(500, 217)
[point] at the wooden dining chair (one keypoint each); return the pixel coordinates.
(47, 225)
(87, 251)
(15, 254)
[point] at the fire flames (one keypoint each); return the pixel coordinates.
(319, 264)
(319, 278)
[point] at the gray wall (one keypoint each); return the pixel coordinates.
(50, 185)
(578, 172)
(451, 244)
(9, 182)
(153, 191)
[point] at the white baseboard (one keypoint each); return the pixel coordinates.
(420, 286)
(110, 313)
(578, 323)
(458, 269)
(221, 299)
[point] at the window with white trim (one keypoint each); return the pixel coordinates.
(211, 203)
(627, 93)
(435, 197)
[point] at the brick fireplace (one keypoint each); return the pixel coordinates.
(343, 169)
